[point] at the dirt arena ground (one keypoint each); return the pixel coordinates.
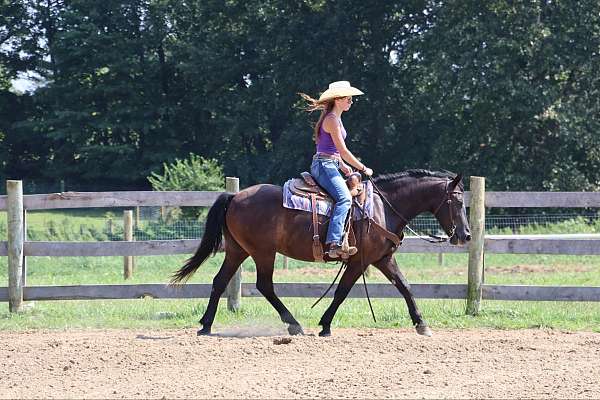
(354, 363)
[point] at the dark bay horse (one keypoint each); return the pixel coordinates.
(254, 223)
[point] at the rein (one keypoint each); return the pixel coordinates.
(391, 236)
(446, 199)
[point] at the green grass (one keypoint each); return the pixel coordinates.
(391, 313)
(58, 225)
(418, 268)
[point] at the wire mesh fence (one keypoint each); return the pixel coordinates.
(522, 224)
(154, 223)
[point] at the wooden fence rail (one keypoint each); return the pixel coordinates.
(205, 199)
(376, 290)
(114, 199)
(575, 244)
(17, 249)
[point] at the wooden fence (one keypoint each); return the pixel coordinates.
(17, 248)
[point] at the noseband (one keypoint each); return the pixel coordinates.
(448, 200)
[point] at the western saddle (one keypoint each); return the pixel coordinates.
(306, 186)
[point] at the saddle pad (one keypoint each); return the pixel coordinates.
(324, 207)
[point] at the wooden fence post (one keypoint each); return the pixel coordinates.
(24, 273)
(477, 225)
(137, 217)
(14, 214)
(128, 236)
(110, 228)
(285, 262)
(234, 288)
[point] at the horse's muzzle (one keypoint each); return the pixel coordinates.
(460, 239)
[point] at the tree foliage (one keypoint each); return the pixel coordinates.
(191, 174)
(503, 89)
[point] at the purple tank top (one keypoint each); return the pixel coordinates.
(325, 143)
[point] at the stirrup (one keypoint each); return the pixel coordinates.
(349, 253)
(336, 251)
(346, 250)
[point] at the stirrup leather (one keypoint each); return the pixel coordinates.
(317, 248)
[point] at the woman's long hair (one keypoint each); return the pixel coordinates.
(314, 105)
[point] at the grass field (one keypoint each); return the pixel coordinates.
(501, 269)
(418, 268)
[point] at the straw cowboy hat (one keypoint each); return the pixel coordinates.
(339, 89)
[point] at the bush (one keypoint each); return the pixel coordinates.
(195, 174)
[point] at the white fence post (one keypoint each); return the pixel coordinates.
(234, 288)
(477, 225)
(14, 191)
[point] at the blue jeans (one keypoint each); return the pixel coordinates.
(327, 174)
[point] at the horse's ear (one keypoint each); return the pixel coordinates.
(456, 181)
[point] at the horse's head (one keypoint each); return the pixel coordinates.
(451, 212)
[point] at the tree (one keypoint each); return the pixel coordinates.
(191, 174)
(502, 83)
(508, 90)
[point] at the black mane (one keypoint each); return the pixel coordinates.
(414, 173)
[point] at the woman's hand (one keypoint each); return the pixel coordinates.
(367, 171)
(345, 169)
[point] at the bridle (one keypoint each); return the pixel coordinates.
(447, 199)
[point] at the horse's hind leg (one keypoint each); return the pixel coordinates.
(390, 269)
(234, 256)
(264, 284)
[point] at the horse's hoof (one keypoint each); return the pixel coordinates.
(203, 332)
(326, 332)
(423, 329)
(295, 330)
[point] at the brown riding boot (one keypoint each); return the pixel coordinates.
(335, 251)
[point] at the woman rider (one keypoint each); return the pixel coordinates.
(332, 156)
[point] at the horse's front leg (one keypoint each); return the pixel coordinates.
(348, 279)
(390, 269)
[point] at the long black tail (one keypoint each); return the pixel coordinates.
(211, 240)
